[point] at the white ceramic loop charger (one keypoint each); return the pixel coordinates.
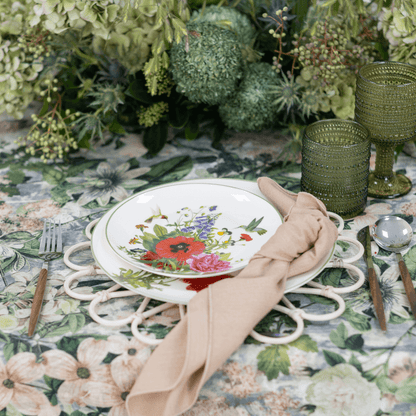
(137, 318)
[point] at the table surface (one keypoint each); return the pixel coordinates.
(346, 366)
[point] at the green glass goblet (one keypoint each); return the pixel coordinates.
(385, 103)
(335, 165)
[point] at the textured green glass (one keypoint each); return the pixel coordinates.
(335, 165)
(385, 103)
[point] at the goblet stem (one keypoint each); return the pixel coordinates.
(383, 182)
(384, 161)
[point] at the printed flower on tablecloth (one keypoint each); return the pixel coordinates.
(15, 378)
(28, 217)
(124, 371)
(241, 381)
(180, 248)
(342, 390)
(201, 283)
(191, 243)
(372, 214)
(398, 384)
(106, 182)
(409, 208)
(206, 263)
(392, 290)
(133, 355)
(77, 373)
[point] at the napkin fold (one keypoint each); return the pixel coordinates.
(221, 316)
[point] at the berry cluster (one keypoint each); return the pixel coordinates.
(34, 43)
(50, 134)
(328, 50)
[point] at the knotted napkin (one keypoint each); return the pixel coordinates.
(221, 316)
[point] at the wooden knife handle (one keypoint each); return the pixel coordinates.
(377, 298)
(37, 301)
(408, 285)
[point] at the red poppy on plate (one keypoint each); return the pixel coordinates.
(180, 248)
(199, 284)
(245, 237)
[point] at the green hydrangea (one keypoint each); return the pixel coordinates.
(399, 28)
(89, 16)
(252, 107)
(20, 59)
(207, 64)
(130, 41)
(132, 35)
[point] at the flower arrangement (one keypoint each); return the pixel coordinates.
(106, 67)
(192, 244)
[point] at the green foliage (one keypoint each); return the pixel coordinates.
(106, 97)
(146, 65)
(131, 35)
(287, 93)
(89, 126)
(251, 108)
(207, 64)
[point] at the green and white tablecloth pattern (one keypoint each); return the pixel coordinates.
(73, 366)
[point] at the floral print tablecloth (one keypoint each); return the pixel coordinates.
(75, 367)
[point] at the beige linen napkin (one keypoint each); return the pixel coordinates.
(220, 317)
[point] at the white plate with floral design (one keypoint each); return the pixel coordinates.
(167, 289)
(191, 230)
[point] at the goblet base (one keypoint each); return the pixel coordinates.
(388, 187)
